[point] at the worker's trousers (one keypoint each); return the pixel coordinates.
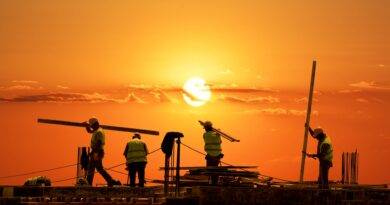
(323, 178)
(97, 163)
(213, 161)
(134, 168)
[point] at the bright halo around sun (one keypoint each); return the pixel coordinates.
(196, 92)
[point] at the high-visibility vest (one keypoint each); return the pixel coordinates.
(136, 151)
(329, 154)
(212, 143)
(98, 135)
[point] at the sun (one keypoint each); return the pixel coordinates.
(196, 92)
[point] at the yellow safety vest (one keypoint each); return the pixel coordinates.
(329, 154)
(212, 143)
(136, 151)
(98, 135)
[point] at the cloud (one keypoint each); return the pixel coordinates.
(241, 90)
(222, 88)
(73, 97)
(368, 85)
(361, 100)
(279, 112)
(234, 99)
(19, 87)
(25, 81)
(62, 87)
(304, 100)
(350, 91)
(162, 96)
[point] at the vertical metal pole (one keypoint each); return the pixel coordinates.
(357, 167)
(308, 114)
(343, 168)
(348, 164)
(166, 175)
(178, 168)
(78, 167)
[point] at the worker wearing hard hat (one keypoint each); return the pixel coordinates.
(212, 147)
(97, 153)
(324, 154)
(135, 154)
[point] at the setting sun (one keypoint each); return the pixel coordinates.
(196, 92)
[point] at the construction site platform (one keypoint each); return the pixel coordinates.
(296, 194)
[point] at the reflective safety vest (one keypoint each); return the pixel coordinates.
(212, 143)
(329, 154)
(98, 135)
(136, 151)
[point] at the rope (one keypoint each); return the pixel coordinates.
(39, 171)
(107, 169)
(199, 152)
(154, 151)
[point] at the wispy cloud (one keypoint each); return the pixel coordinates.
(25, 81)
(20, 87)
(162, 96)
(304, 100)
(279, 112)
(235, 99)
(362, 100)
(350, 91)
(368, 85)
(222, 88)
(73, 97)
(62, 87)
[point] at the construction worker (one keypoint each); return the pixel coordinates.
(135, 154)
(212, 146)
(97, 153)
(324, 154)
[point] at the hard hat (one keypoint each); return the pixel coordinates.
(208, 124)
(318, 131)
(93, 120)
(136, 135)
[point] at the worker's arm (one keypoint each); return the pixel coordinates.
(88, 127)
(126, 149)
(146, 149)
(99, 142)
(314, 156)
(310, 130)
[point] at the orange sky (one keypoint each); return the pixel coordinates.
(124, 61)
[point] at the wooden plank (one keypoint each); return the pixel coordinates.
(308, 114)
(106, 127)
(224, 135)
(217, 168)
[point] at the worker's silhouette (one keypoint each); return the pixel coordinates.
(97, 153)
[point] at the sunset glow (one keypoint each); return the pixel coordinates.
(196, 92)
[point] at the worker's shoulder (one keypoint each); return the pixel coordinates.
(211, 133)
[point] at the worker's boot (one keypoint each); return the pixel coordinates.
(114, 183)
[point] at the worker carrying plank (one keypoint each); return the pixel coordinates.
(212, 147)
(324, 154)
(135, 154)
(97, 152)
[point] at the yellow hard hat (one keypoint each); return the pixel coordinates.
(318, 131)
(93, 120)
